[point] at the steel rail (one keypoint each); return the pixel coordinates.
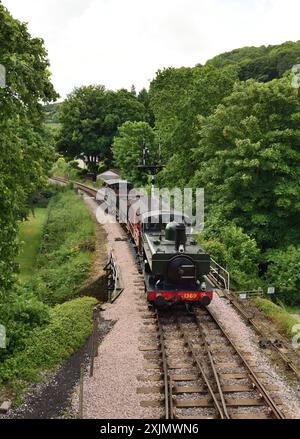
(79, 185)
(169, 413)
(201, 369)
(252, 375)
(213, 366)
(289, 363)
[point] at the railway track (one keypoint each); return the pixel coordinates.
(85, 188)
(199, 371)
(277, 343)
(197, 374)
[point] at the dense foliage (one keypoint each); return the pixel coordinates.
(234, 249)
(261, 63)
(284, 272)
(46, 346)
(177, 97)
(248, 160)
(39, 336)
(25, 152)
(128, 150)
(90, 118)
(51, 112)
(66, 251)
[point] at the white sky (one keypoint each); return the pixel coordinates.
(122, 42)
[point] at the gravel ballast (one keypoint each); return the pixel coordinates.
(246, 339)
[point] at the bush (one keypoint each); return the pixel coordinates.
(284, 274)
(42, 198)
(20, 314)
(62, 168)
(236, 251)
(69, 327)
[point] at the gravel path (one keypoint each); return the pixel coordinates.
(246, 340)
(112, 392)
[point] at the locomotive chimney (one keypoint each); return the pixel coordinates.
(180, 238)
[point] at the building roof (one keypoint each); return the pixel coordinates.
(109, 175)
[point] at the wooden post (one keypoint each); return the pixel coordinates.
(81, 391)
(96, 321)
(93, 340)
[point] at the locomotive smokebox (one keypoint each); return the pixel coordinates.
(180, 238)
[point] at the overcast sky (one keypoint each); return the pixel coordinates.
(122, 42)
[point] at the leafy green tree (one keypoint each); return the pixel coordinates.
(25, 151)
(144, 98)
(90, 118)
(263, 63)
(51, 113)
(232, 248)
(177, 97)
(27, 71)
(284, 273)
(249, 160)
(128, 150)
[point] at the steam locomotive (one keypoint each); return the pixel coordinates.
(173, 263)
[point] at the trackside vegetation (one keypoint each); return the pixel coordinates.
(45, 318)
(66, 252)
(47, 346)
(278, 315)
(30, 236)
(72, 171)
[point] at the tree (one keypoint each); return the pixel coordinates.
(236, 251)
(177, 97)
(284, 273)
(133, 90)
(128, 150)
(25, 151)
(249, 160)
(143, 98)
(27, 71)
(90, 118)
(263, 63)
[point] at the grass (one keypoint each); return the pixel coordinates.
(293, 309)
(67, 250)
(282, 319)
(30, 235)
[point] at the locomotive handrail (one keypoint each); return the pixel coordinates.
(215, 272)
